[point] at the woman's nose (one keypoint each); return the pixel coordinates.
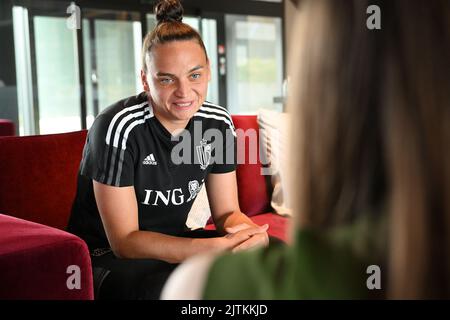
(182, 89)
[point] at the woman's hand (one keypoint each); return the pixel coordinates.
(244, 237)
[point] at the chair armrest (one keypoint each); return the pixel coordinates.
(41, 262)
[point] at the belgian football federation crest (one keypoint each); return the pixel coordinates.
(204, 153)
(194, 188)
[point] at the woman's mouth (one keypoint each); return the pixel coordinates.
(183, 104)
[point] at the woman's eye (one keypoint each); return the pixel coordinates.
(165, 80)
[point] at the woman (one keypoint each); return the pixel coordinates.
(133, 192)
(370, 161)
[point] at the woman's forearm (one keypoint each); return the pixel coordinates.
(154, 245)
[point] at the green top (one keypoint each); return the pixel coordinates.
(320, 265)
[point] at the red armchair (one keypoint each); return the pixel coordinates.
(37, 186)
(38, 183)
(7, 128)
(37, 262)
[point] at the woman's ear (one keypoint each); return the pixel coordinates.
(144, 81)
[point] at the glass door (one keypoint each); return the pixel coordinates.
(95, 65)
(112, 43)
(254, 63)
(56, 84)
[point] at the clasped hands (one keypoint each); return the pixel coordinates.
(244, 237)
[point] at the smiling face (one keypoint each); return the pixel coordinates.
(176, 81)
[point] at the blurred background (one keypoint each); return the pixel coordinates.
(63, 62)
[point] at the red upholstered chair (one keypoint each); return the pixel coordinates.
(7, 128)
(38, 183)
(36, 262)
(38, 176)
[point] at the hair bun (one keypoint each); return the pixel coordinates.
(169, 10)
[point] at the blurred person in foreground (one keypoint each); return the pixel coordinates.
(370, 150)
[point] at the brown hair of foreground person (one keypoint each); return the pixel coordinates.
(371, 112)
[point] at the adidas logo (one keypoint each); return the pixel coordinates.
(150, 160)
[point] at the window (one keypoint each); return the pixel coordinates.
(112, 58)
(255, 63)
(65, 77)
